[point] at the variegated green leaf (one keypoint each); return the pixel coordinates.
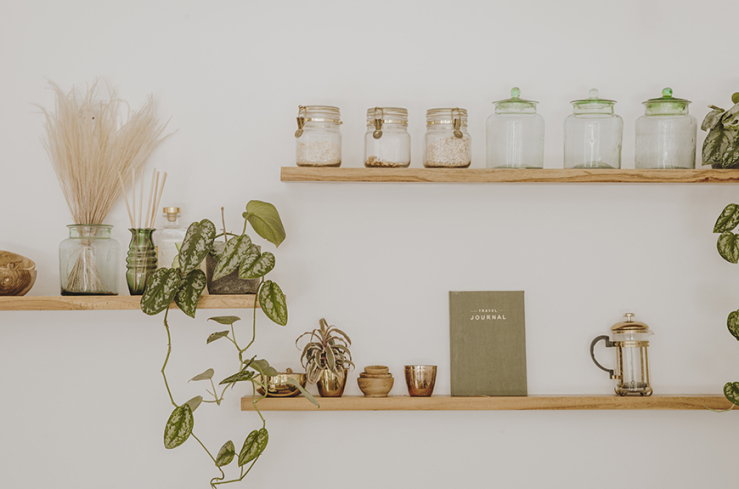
(191, 288)
(194, 402)
(728, 247)
(272, 301)
(216, 251)
(728, 220)
(249, 260)
(730, 158)
(731, 391)
(732, 322)
(179, 426)
(225, 319)
(196, 245)
(235, 251)
(216, 336)
(307, 394)
(731, 117)
(226, 454)
(242, 376)
(712, 118)
(714, 146)
(260, 267)
(264, 368)
(208, 374)
(266, 221)
(253, 447)
(161, 288)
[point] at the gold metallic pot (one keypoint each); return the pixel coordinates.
(332, 385)
(278, 386)
(420, 379)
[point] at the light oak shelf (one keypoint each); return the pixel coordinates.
(475, 175)
(528, 403)
(114, 302)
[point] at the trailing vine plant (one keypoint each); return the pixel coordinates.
(184, 284)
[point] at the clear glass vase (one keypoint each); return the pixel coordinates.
(88, 261)
(141, 261)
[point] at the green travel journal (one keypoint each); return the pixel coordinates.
(488, 343)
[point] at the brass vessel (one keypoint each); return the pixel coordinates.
(420, 379)
(332, 385)
(278, 386)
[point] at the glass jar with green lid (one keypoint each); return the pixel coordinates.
(318, 136)
(666, 134)
(447, 142)
(515, 134)
(387, 143)
(593, 134)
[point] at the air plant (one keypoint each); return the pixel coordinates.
(328, 349)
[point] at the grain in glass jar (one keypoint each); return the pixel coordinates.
(447, 140)
(666, 133)
(387, 143)
(318, 136)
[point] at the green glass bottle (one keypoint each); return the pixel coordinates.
(141, 260)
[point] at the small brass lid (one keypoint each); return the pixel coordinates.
(629, 325)
(171, 210)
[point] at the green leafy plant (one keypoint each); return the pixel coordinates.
(184, 285)
(327, 349)
(721, 146)
(728, 248)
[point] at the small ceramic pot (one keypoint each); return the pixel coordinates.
(330, 384)
(375, 387)
(231, 283)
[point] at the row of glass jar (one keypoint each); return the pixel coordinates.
(665, 135)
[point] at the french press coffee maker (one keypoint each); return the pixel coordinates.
(631, 372)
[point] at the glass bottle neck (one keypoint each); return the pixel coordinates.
(171, 222)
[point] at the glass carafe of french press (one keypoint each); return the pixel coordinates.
(631, 373)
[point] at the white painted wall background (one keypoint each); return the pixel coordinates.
(83, 403)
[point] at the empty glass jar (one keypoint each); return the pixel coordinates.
(318, 136)
(515, 134)
(387, 143)
(593, 134)
(447, 140)
(666, 133)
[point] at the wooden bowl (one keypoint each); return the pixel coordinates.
(376, 369)
(375, 387)
(373, 376)
(17, 274)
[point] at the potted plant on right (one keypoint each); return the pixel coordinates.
(326, 358)
(721, 146)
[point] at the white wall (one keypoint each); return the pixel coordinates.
(83, 403)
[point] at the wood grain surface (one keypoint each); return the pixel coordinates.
(113, 302)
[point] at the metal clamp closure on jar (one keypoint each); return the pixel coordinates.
(377, 117)
(456, 121)
(303, 112)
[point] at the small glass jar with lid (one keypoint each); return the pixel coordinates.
(593, 134)
(318, 136)
(666, 133)
(447, 142)
(515, 134)
(387, 143)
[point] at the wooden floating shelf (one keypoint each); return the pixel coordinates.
(114, 302)
(475, 175)
(527, 403)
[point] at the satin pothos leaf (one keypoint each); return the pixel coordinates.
(728, 247)
(194, 402)
(207, 375)
(731, 391)
(196, 245)
(253, 447)
(715, 145)
(728, 220)
(179, 426)
(242, 376)
(307, 394)
(263, 367)
(226, 454)
(732, 322)
(191, 288)
(225, 319)
(216, 336)
(260, 266)
(712, 118)
(272, 302)
(161, 288)
(235, 251)
(266, 221)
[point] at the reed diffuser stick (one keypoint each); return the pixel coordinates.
(133, 188)
(154, 207)
(161, 190)
(141, 198)
(148, 205)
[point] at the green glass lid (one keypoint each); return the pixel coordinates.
(593, 100)
(667, 104)
(515, 103)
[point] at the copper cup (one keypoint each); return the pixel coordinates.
(420, 379)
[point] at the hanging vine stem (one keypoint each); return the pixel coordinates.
(166, 359)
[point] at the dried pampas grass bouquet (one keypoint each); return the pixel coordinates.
(90, 143)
